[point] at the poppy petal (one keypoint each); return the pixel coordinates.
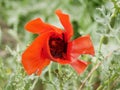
(64, 18)
(61, 61)
(46, 63)
(33, 59)
(38, 26)
(81, 45)
(79, 65)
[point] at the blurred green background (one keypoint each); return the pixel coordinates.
(99, 18)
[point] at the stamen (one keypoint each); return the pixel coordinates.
(58, 47)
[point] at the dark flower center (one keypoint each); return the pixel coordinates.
(58, 47)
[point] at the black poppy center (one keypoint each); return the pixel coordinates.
(58, 47)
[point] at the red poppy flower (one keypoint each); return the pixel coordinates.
(55, 44)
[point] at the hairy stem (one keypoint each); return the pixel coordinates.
(50, 75)
(34, 83)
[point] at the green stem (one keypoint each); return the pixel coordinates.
(108, 81)
(60, 72)
(118, 40)
(59, 68)
(100, 87)
(35, 81)
(100, 45)
(108, 84)
(61, 86)
(91, 78)
(50, 75)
